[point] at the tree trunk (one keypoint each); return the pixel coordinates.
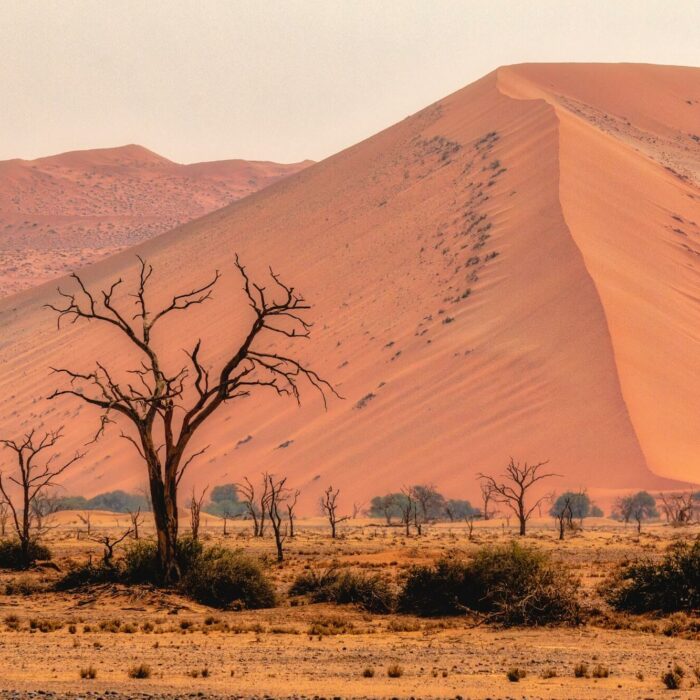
(165, 518)
(523, 524)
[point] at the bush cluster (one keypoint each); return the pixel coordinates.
(671, 585)
(511, 584)
(11, 553)
(370, 592)
(214, 576)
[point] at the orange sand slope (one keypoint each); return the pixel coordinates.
(65, 211)
(512, 270)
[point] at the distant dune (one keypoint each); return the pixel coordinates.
(512, 270)
(65, 211)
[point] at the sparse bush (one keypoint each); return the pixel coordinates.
(368, 673)
(600, 671)
(514, 675)
(371, 592)
(328, 625)
(670, 585)
(227, 579)
(140, 671)
(581, 670)
(90, 672)
(511, 584)
(88, 574)
(673, 678)
(549, 673)
(394, 671)
(11, 553)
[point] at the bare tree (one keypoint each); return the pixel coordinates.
(164, 408)
(247, 492)
(135, 517)
(329, 507)
(358, 509)
(564, 515)
(277, 495)
(291, 505)
(486, 496)
(4, 515)
(196, 511)
(678, 507)
(36, 473)
(86, 519)
(512, 489)
(469, 519)
(407, 507)
(109, 543)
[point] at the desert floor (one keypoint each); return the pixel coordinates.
(273, 653)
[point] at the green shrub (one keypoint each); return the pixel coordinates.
(88, 574)
(11, 553)
(671, 585)
(226, 579)
(511, 584)
(141, 562)
(370, 592)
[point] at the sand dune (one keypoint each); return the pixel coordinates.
(62, 212)
(512, 270)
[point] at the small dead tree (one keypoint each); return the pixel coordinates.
(291, 505)
(407, 507)
(329, 507)
(276, 496)
(469, 519)
(135, 517)
(513, 486)
(196, 512)
(486, 497)
(4, 515)
(165, 405)
(255, 504)
(564, 516)
(86, 519)
(36, 472)
(109, 543)
(678, 507)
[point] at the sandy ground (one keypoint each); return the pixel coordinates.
(271, 653)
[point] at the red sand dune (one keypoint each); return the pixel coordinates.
(63, 212)
(512, 270)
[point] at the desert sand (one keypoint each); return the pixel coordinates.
(63, 212)
(512, 270)
(303, 649)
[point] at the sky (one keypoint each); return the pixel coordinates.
(286, 80)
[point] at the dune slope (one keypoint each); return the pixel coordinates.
(65, 211)
(495, 275)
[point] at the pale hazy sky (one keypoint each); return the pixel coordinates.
(286, 80)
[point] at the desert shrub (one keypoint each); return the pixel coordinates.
(394, 671)
(89, 672)
(511, 584)
(368, 672)
(88, 574)
(514, 675)
(370, 592)
(326, 625)
(141, 562)
(140, 671)
(11, 553)
(671, 585)
(188, 551)
(673, 678)
(581, 670)
(226, 579)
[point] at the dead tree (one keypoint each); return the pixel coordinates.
(329, 507)
(86, 520)
(678, 507)
(512, 489)
(4, 515)
(291, 505)
(469, 519)
(276, 496)
(36, 472)
(165, 408)
(407, 506)
(135, 517)
(109, 543)
(247, 492)
(564, 516)
(486, 496)
(195, 512)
